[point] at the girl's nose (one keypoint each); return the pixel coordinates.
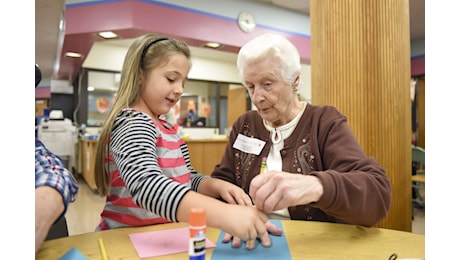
(179, 89)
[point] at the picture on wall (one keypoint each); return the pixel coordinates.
(99, 103)
(188, 109)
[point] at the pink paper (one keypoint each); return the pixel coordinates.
(163, 242)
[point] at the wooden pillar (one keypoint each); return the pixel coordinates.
(360, 63)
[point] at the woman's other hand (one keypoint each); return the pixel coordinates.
(277, 190)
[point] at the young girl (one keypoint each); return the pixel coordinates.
(142, 164)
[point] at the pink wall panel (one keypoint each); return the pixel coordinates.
(99, 17)
(186, 24)
(42, 92)
(417, 65)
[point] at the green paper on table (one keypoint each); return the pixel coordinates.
(278, 250)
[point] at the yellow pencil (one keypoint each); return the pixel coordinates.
(104, 253)
(263, 165)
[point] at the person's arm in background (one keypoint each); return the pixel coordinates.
(48, 207)
(55, 188)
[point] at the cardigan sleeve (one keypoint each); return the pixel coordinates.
(356, 188)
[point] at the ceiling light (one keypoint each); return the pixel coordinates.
(213, 45)
(107, 35)
(73, 55)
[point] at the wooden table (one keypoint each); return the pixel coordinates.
(418, 178)
(306, 240)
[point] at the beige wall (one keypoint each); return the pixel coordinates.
(208, 65)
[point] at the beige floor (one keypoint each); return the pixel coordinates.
(83, 214)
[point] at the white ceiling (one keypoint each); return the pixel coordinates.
(47, 34)
(48, 39)
(416, 8)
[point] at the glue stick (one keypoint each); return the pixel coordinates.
(197, 227)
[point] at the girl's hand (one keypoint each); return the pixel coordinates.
(264, 240)
(229, 192)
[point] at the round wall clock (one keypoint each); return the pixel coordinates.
(246, 22)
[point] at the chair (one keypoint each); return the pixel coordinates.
(58, 229)
(418, 176)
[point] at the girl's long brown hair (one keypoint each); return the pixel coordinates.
(144, 55)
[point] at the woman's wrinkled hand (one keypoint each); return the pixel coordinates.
(275, 190)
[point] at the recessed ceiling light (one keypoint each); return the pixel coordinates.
(107, 35)
(213, 45)
(73, 55)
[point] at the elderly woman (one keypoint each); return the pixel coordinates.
(315, 168)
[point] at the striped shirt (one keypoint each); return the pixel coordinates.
(150, 172)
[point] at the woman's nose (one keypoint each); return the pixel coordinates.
(258, 94)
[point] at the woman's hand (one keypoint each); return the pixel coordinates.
(277, 190)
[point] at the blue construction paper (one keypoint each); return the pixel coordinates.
(73, 254)
(278, 250)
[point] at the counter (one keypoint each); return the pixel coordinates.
(205, 154)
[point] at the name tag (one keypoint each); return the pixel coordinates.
(248, 144)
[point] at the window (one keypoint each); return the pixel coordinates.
(203, 104)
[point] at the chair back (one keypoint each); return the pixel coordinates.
(58, 229)
(418, 156)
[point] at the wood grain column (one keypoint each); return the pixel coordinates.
(360, 63)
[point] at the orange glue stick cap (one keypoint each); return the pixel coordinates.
(197, 217)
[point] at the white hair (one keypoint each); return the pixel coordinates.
(277, 46)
